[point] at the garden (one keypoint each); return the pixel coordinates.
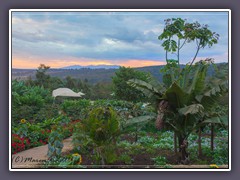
(182, 120)
(116, 133)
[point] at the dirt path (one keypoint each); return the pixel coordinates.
(33, 158)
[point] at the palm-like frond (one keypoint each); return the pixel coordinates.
(223, 120)
(176, 96)
(191, 109)
(191, 98)
(147, 88)
(212, 94)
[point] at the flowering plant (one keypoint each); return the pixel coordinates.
(76, 159)
(19, 143)
(214, 166)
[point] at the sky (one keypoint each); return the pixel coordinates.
(130, 39)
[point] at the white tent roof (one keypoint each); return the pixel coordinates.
(66, 92)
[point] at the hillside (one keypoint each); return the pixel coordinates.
(102, 66)
(92, 75)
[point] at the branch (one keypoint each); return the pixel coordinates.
(197, 43)
(198, 48)
(183, 43)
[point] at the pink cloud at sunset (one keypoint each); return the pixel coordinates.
(141, 63)
(32, 63)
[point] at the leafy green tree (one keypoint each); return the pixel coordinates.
(42, 78)
(174, 28)
(187, 103)
(122, 90)
(102, 90)
(29, 81)
(219, 109)
(70, 82)
(87, 89)
(178, 32)
(202, 35)
(55, 82)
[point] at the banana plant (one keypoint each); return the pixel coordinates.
(185, 103)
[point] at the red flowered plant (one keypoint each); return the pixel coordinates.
(38, 138)
(19, 143)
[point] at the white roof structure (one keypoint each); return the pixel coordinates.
(66, 92)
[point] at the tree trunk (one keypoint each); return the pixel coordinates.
(175, 142)
(178, 55)
(199, 143)
(212, 136)
(183, 144)
(166, 55)
(195, 56)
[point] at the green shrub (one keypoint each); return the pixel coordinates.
(56, 136)
(159, 161)
(55, 144)
(99, 131)
(76, 109)
(49, 111)
(125, 158)
(30, 102)
(145, 140)
(165, 141)
(23, 112)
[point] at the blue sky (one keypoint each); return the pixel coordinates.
(121, 38)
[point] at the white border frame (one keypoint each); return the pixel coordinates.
(117, 10)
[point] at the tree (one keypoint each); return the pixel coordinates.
(70, 82)
(174, 28)
(42, 78)
(187, 103)
(122, 90)
(55, 82)
(219, 108)
(178, 32)
(102, 90)
(29, 81)
(87, 89)
(202, 35)
(178, 29)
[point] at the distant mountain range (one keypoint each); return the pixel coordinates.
(101, 66)
(94, 74)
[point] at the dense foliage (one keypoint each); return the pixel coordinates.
(125, 92)
(186, 100)
(32, 103)
(177, 32)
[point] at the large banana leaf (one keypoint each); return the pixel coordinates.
(176, 96)
(217, 120)
(147, 88)
(191, 109)
(218, 89)
(212, 96)
(198, 84)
